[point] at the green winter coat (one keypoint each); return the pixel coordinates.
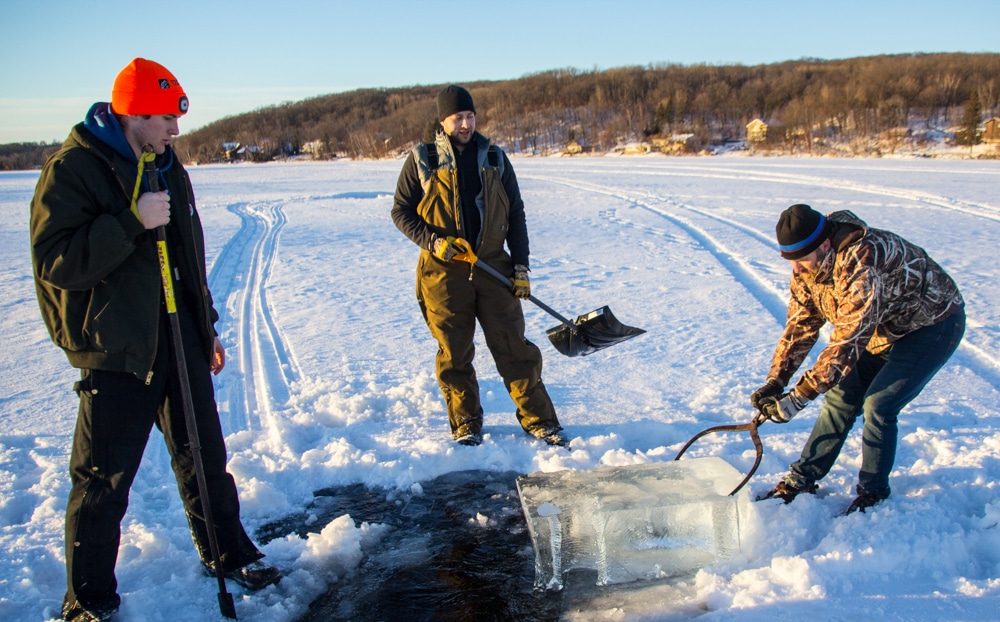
(96, 269)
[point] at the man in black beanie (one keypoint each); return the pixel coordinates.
(459, 194)
(897, 318)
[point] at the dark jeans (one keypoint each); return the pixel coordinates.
(879, 386)
(116, 414)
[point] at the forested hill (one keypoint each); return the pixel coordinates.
(855, 106)
(848, 102)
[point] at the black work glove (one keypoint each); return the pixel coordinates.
(522, 286)
(783, 409)
(772, 388)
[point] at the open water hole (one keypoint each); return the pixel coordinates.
(459, 551)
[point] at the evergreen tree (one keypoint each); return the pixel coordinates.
(968, 134)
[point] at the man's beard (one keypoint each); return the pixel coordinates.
(824, 270)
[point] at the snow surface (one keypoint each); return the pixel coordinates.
(330, 382)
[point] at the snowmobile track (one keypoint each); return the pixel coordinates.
(239, 281)
(741, 266)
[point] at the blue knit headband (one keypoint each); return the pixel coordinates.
(791, 248)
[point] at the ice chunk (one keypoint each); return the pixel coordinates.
(633, 522)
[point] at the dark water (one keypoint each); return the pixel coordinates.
(438, 561)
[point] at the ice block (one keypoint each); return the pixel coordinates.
(633, 522)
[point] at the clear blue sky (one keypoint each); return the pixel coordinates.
(59, 56)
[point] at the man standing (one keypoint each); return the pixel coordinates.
(462, 188)
(897, 317)
(97, 277)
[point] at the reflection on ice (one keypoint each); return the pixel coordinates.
(644, 521)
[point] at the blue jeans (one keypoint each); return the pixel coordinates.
(879, 386)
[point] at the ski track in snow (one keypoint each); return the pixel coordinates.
(239, 280)
(741, 266)
(982, 210)
(762, 288)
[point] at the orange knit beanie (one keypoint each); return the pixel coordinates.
(146, 88)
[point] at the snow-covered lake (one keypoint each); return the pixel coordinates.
(330, 383)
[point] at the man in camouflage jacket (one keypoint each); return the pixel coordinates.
(897, 317)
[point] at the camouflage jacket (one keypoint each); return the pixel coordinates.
(880, 288)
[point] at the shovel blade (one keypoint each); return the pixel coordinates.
(592, 332)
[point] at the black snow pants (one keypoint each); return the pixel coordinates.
(116, 414)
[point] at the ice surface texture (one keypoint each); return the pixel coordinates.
(634, 522)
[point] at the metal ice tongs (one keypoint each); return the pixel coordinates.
(751, 427)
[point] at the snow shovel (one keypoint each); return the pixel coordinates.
(591, 332)
(226, 605)
(751, 427)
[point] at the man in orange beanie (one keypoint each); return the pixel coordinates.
(97, 276)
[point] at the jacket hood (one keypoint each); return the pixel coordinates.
(847, 228)
(847, 217)
(104, 126)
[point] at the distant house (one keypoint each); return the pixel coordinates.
(756, 131)
(314, 148)
(676, 143)
(991, 131)
(236, 151)
(229, 149)
(634, 149)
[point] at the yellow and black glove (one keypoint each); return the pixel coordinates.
(446, 248)
(522, 286)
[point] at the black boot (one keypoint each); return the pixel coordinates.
(863, 501)
(466, 435)
(551, 434)
(787, 492)
(98, 612)
(254, 576)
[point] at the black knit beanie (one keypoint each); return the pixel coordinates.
(801, 230)
(453, 99)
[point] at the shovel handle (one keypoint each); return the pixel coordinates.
(488, 269)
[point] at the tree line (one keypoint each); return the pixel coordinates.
(856, 106)
(809, 102)
(25, 156)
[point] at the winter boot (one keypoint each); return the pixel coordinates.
(552, 435)
(470, 439)
(465, 435)
(787, 492)
(100, 612)
(863, 501)
(254, 576)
